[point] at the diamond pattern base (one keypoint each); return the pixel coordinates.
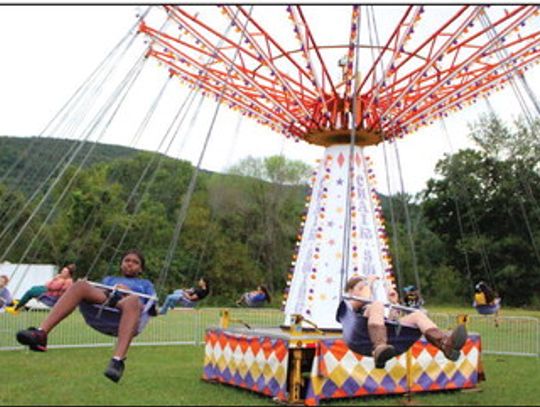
(259, 362)
(339, 373)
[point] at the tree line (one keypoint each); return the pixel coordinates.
(477, 219)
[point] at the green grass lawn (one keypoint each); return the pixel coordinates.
(170, 375)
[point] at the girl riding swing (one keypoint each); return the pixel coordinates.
(129, 299)
(358, 314)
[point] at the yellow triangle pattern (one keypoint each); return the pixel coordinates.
(267, 372)
(347, 367)
(339, 375)
(433, 370)
(449, 368)
(242, 368)
(398, 372)
(467, 368)
(359, 373)
(281, 374)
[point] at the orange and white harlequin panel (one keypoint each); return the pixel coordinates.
(257, 363)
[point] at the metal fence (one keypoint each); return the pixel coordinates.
(511, 336)
(507, 335)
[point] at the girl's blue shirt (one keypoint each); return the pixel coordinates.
(139, 285)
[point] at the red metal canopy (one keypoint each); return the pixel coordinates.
(419, 70)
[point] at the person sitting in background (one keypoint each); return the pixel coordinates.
(484, 295)
(255, 298)
(5, 295)
(487, 301)
(186, 297)
(53, 289)
(412, 297)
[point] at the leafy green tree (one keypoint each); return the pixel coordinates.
(83, 219)
(14, 214)
(260, 204)
(499, 220)
(497, 140)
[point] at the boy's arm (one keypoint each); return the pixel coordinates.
(190, 296)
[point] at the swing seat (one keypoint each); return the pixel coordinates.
(107, 319)
(185, 303)
(488, 309)
(254, 302)
(48, 300)
(355, 332)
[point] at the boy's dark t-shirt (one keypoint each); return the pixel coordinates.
(200, 292)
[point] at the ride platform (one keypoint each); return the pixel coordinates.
(296, 366)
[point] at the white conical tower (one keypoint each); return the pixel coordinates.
(320, 268)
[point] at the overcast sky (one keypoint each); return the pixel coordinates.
(47, 52)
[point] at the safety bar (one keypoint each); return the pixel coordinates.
(386, 304)
(123, 290)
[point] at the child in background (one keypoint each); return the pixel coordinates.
(5, 295)
(255, 298)
(186, 297)
(53, 289)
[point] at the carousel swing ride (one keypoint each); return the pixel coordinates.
(377, 75)
(382, 90)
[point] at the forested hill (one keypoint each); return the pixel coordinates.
(37, 158)
(479, 219)
(239, 228)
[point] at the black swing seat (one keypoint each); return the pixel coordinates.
(355, 332)
(106, 320)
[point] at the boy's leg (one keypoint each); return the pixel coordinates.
(375, 313)
(418, 319)
(449, 343)
(243, 299)
(170, 302)
(78, 292)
